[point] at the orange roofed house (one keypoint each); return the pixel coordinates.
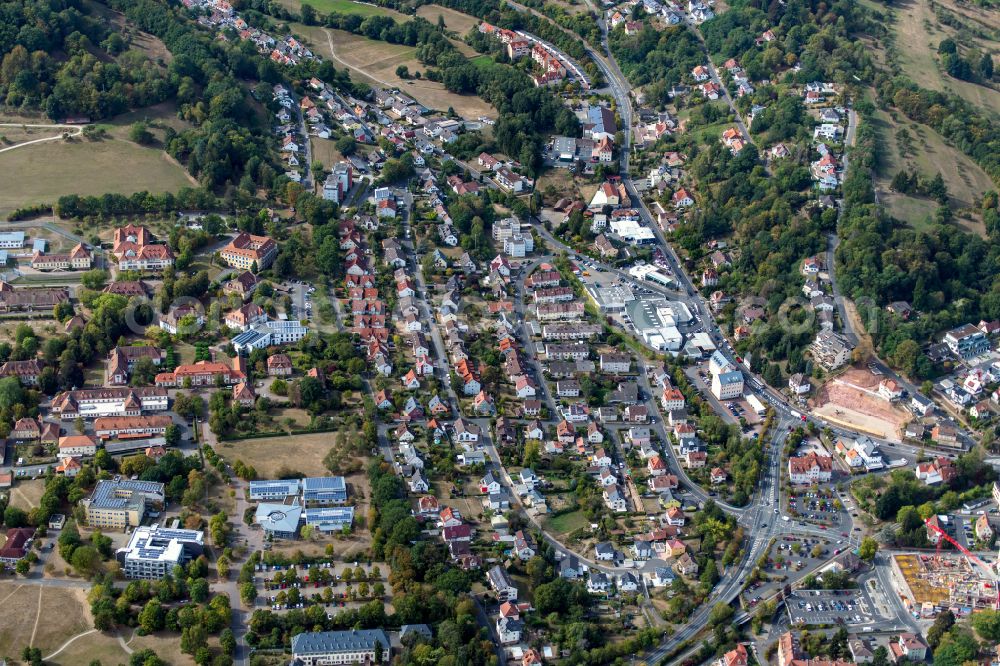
(134, 250)
(202, 373)
(247, 251)
(79, 258)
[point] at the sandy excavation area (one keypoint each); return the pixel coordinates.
(852, 400)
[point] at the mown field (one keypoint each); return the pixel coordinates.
(40, 616)
(42, 173)
(375, 62)
(918, 33)
(928, 154)
(344, 7)
(453, 20)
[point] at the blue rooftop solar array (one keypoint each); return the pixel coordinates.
(324, 489)
(120, 494)
(274, 488)
(330, 518)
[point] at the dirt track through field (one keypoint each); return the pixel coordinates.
(76, 131)
(333, 54)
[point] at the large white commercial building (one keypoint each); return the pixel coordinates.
(272, 334)
(153, 552)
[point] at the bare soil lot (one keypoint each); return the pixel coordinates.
(852, 399)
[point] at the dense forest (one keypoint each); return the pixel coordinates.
(947, 274)
(55, 57)
(657, 59)
(818, 36)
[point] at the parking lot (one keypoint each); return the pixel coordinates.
(789, 559)
(334, 585)
(819, 506)
(300, 293)
(816, 607)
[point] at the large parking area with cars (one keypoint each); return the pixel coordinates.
(820, 506)
(333, 585)
(789, 559)
(300, 293)
(818, 607)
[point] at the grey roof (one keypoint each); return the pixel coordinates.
(508, 624)
(322, 642)
(420, 629)
(499, 577)
(278, 517)
(121, 494)
(664, 573)
(569, 566)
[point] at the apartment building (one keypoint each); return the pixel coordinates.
(94, 403)
(356, 646)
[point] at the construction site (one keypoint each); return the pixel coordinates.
(853, 400)
(929, 583)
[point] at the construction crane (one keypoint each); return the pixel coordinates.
(987, 572)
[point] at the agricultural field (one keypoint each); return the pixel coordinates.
(375, 62)
(918, 33)
(29, 620)
(928, 154)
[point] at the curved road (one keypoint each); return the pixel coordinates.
(766, 499)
